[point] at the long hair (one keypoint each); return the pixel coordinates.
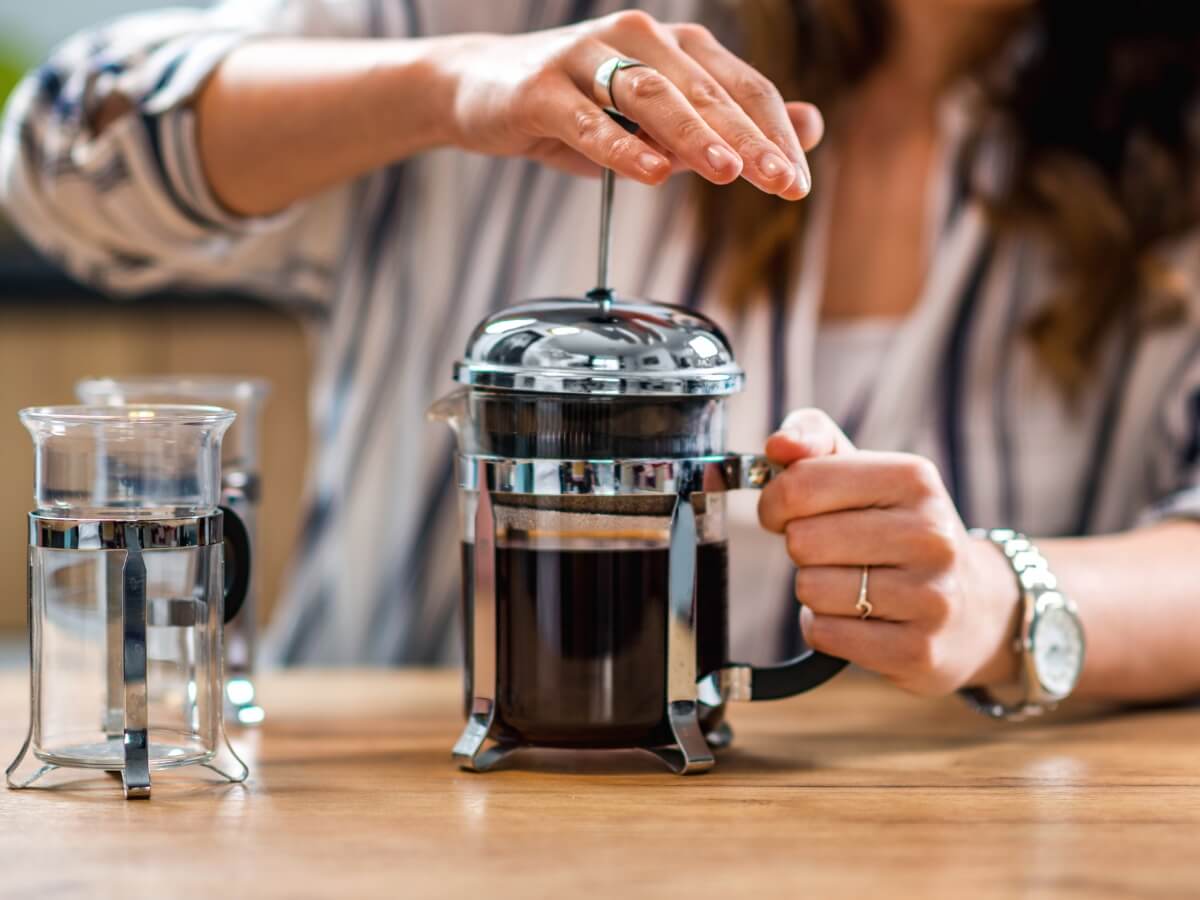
(1102, 110)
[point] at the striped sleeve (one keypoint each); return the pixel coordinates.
(128, 209)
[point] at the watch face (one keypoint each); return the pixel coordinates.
(1057, 650)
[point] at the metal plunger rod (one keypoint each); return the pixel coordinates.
(606, 202)
(602, 293)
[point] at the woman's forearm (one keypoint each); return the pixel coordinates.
(1138, 594)
(280, 120)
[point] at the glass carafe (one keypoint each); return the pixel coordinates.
(592, 469)
(133, 567)
(241, 491)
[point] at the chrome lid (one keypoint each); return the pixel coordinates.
(577, 346)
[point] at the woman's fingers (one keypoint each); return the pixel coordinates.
(876, 537)
(566, 114)
(809, 124)
(859, 480)
(833, 591)
(685, 106)
(760, 118)
(895, 594)
(806, 433)
(648, 97)
(889, 648)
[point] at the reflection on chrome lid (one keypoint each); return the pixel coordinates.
(575, 346)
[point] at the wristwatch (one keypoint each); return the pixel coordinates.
(1050, 639)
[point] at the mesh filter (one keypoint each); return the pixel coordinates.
(557, 426)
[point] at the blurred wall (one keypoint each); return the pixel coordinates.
(52, 333)
(40, 26)
(47, 344)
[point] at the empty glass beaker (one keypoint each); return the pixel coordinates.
(241, 490)
(128, 558)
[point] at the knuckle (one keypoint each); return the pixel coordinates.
(937, 602)
(746, 143)
(938, 546)
(803, 584)
(692, 130)
(754, 87)
(620, 148)
(790, 493)
(704, 93)
(691, 33)
(647, 85)
(797, 542)
(589, 123)
(922, 476)
(818, 634)
(635, 21)
(532, 92)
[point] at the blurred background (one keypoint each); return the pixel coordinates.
(53, 332)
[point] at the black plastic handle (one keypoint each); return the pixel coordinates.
(794, 676)
(237, 562)
(806, 671)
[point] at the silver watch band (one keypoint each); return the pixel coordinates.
(1033, 579)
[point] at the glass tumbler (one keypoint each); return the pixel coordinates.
(133, 567)
(241, 490)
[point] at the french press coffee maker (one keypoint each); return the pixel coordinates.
(133, 568)
(592, 472)
(241, 491)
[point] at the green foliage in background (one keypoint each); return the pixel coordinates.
(13, 63)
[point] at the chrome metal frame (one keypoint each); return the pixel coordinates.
(135, 776)
(477, 750)
(691, 753)
(125, 628)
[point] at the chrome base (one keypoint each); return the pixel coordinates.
(26, 769)
(124, 719)
(227, 764)
(477, 751)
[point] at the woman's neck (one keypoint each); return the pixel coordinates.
(932, 42)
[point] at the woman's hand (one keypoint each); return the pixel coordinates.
(698, 105)
(945, 605)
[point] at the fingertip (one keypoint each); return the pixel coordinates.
(808, 122)
(785, 447)
(724, 166)
(652, 168)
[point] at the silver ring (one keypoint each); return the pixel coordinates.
(602, 81)
(864, 605)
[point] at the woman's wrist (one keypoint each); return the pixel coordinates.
(999, 602)
(410, 94)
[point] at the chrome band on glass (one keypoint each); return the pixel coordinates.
(708, 474)
(715, 384)
(112, 534)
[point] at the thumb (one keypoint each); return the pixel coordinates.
(804, 434)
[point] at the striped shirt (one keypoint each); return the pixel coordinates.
(390, 273)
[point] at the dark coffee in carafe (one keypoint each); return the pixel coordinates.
(581, 640)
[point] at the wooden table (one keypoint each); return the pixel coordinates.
(854, 790)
